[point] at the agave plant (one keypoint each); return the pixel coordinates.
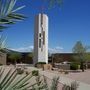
(11, 80)
(8, 13)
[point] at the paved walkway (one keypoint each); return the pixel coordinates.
(80, 76)
(83, 78)
(66, 80)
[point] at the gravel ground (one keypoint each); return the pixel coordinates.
(83, 78)
(80, 76)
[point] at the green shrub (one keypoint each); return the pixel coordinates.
(73, 66)
(20, 71)
(0, 64)
(35, 72)
(78, 66)
(74, 86)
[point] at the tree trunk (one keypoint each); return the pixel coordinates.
(82, 66)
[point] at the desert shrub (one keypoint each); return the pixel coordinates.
(66, 72)
(74, 85)
(0, 64)
(35, 72)
(20, 71)
(54, 84)
(27, 73)
(73, 66)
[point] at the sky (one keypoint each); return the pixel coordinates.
(67, 25)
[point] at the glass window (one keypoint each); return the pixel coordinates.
(39, 43)
(39, 34)
(43, 37)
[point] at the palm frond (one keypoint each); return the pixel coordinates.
(11, 5)
(2, 27)
(8, 13)
(19, 8)
(6, 21)
(15, 16)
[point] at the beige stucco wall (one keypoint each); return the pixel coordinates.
(2, 58)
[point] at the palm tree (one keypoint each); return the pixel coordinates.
(8, 14)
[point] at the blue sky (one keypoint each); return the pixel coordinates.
(67, 25)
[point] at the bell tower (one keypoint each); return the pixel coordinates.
(41, 38)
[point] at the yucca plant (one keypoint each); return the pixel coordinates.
(54, 83)
(74, 85)
(8, 13)
(11, 80)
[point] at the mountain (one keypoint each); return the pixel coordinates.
(8, 51)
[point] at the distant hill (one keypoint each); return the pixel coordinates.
(8, 51)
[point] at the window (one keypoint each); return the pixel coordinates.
(39, 43)
(41, 19)
(39, 34)
(43, 37)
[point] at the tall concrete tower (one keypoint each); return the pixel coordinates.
(41, 38)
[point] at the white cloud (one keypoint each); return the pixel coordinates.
(59, 48)
(23, 49)
(56, 49)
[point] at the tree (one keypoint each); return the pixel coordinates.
(80, 50)
(87, 57)
(8, 14)
(15, 57)
(30, 55)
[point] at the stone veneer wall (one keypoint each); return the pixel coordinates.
(3, 58)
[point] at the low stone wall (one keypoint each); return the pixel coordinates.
(3, 58)
(63, 66)
(47, 67)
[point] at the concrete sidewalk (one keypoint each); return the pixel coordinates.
(65, 80)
